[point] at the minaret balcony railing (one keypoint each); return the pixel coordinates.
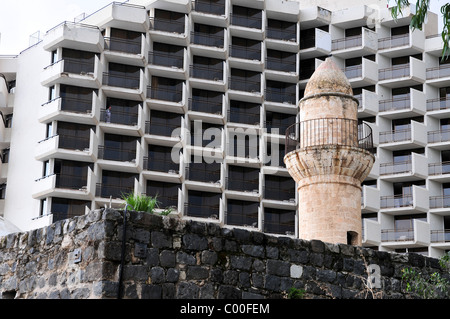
(329, 131)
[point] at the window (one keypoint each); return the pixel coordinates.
(244, 112)
(206, 101)
(278, 221)
(116, 184)
(163, 123)
(165, 193)
(74, 136)
(167, 55)
(282, 30)
(63, 208)
(279, 188)
(246, 17)
(160, 159)
(71, 174)
(169, 21)
(123, 112)
(243, 179)
(166, 89)
(78, 62)
(242, 213)
(203, 204)
(76, 99)
(119, 148)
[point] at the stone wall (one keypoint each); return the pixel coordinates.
(171, 258)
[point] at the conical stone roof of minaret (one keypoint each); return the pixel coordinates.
(328, 78)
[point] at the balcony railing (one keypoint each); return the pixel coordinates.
(281, 34)
(395, 168)
(207, 73)
(116, 154)
(66, 181)
(170, 94)
(119, 117)
(123, 45)
(440, 236)
(205, 106)
(209, 7)
(442, 201)
(164, 25)
(207, 39)
(354, 71)
(439, 136)
(396, 201)
(124, 81)
(346, 43)
(396, 135)
(394, 72)
(242, 52)
(281, 65)
(207, 173)
(439, 168)
(397, 235)
(394, 41)
(438, 72)
(161, 165)
(396, 103)
(319, 132)
(72, 142)
(242, 185)
(115, 191)
(243, 117)
(76, 66)
(280, 95)
(162, 129)
(280, 194)
(242, 84)
(167, 59)
(205, 211)
(248, 22)
(438, 104)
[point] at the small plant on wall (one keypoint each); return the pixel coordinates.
(144, 203)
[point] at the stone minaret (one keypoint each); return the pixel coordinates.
(328, 154)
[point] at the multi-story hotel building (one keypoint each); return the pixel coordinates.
(201, 94)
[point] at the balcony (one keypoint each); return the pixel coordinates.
(209, 77)
(246, 22)
(246, 56)
(106, 193)
(413, 136)
(440, 203)
(418, 236)
(439, 76)
(73, 72)
(368, 104)
(440, 238)
(203, 176)
(125, 160)
(245, 85)
(371, 232)
(363, 74)
(65, 186)
(211, 43)
(370, 199)
(163, 170)
(168, 61)
(402, 45)
(404, 105)
(127, 51)
(74, 36)
(439, 139)
(314, 16)
(216, 8)
(281, 66)
(363, 44)
(439, 107)
(167, 95)
(124, 121)
(313, 47)
(65, 109)
(6, 96)
(414, 169)
(439, 172)
(121, 16)
(68, 148)
(124, 85)
(417, 201)
(403, 75)
(207, 109)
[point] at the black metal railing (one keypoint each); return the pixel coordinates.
(123, 45)
(168, 59)
(167, 25)
(209, 7)
(116, 154)
(161, 165)
(170, 94)
(246, 21)
(282, 65)
(67, 181)
(165, 128)
(124, 81)
(329, 131)
(205, 106)
(120, 117)
(243, 52)
(114, 191)
(207, 39)
(207, 72)
(205, 211)
(243, 84)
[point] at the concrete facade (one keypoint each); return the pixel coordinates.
(239, 67)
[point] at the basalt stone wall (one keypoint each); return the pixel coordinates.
(171, 258)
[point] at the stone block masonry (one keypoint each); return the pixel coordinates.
(172, 258)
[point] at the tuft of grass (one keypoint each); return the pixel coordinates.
(141, 203)
(144, 203)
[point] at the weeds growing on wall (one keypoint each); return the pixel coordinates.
(433, 286)
(144, 203)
